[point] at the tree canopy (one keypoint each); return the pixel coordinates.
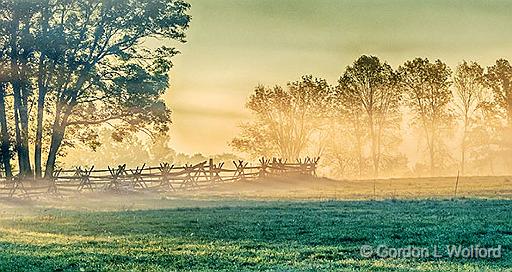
(370, 86)
(374, 118)
(285, 119)
(84, 63)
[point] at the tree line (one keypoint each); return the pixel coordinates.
(70, 66)
(358, 125)
(135, 151)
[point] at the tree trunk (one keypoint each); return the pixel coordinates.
(360, 157)
(39, 133)
(21, 147)
(463, 148)
(20, 105)
(56, 141)
(59, 130)
(64, 109)
(463, 160)
(432, 156)
(44, 77)
(379, 146)
(57, 137)
(374, 147)
(24, 122)
(6, 152)
(359, 140)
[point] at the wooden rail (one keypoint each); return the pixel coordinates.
(163, 178)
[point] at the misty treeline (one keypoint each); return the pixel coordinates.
(134, 151)
(422, 118)
(71, 66)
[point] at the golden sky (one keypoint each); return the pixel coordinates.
(234, 45)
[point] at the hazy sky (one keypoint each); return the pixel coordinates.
(234, 45)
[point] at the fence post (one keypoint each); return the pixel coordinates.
(52, 188)
(165, 178)
(263, 168)
(456, 184)
(211, 168)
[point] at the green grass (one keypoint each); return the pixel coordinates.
(252, 235)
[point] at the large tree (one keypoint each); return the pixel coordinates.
(18, 51)
(285, 119)
(85, 63)
(5, 138)
(427, 85)
(499, 79)
(469, 87)
(370, 87)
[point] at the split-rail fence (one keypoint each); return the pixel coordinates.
(163, 178)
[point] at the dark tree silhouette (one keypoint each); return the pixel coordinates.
(85, 63)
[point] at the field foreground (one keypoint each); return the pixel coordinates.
(380, 189)
(143, 233)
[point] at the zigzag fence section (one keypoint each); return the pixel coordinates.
(163, 178)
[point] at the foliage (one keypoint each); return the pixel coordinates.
(369, 96)
(358, 126)
(135, 150)
(427, 85)
(468, 99)
(285, 119)
(498, 78)
(87, 63)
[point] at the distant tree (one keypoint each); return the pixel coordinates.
(485, 138)
(182, 158)
(160, 149)
(349, 119)
(469, 87)
(342, 158)
(370, 87)
(498, 110)
(226, 157)
(427, 85)
(285, 119)
(131, 151)
(255, 139)
(499, 79)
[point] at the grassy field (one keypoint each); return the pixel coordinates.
(393, 188)
(166, 234)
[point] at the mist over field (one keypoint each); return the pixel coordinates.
(293, 135)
